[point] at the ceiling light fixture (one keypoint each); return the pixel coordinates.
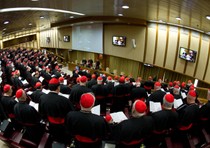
(38, 9)
(71, 17)
(6, 22)
(178, 18)
(208, 17)
(34, 0)
(125, 7)
(120, 14)
(30, 24)
(41, 17)
(4, 29)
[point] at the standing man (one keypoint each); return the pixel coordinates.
(55, 108)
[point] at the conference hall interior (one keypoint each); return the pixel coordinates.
(105, 73)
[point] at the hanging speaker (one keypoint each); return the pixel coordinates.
(134, 43)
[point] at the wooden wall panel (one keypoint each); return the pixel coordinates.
(184, 39)
(172, 47)
(52, 34)
(207, 78)
(131, 32)
(61, 33)
(203, 57)
(194, 45)
(128, 67)
(151, 37)
(161, 45)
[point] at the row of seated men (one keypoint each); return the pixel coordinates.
(118, 98)
(88, 130)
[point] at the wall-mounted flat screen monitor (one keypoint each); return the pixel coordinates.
(187, 54)
(119, 40)
(66, 38)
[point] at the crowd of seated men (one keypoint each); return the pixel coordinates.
(153, 109)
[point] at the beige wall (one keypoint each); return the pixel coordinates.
(61, 33)
(131, 32)
(160, 44)
(155, 44)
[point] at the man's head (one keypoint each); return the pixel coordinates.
(87, 101)
(139, 108)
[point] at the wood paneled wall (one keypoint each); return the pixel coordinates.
(159, 45)
(156, 44)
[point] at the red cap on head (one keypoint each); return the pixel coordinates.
(38, 84)
(61, 79)
(170, 84)
(57, 67)
(127, 79)
(157, 84)
(191, 87)
(19, 93)
(7, 88)
(99, 79)
(169, 98)
(192, 93)
(109, 78)
(183, 84)
(140, 106)
(108, 118)
(78, 79)
(83, 79)
(87, 100)
(54, 81)
(174, 83)
(93, 76)
(116, 77)
(122, 79)
(176, 86)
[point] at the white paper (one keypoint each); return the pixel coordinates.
(64, 95)
(109, 145)
(118, 116)
(35, 105)
(183, 95)
(96, 110)
(154, 106)
(16, 99)
(177, 103)
(41, 79)
(24, 82)
(29, 92)
(46, 91)
(162, 89)
(65, 82)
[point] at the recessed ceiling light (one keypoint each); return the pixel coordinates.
(4, 29)
(71, 17)
(120, 14)
(41, 17)
(178, 18)
(34, 0)
(30, 24)
(125, 7)
(91, 22)
(208, 17)
(6, 22)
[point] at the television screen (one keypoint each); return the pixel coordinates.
(119, 40)
(187, 54)
(66, 38)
